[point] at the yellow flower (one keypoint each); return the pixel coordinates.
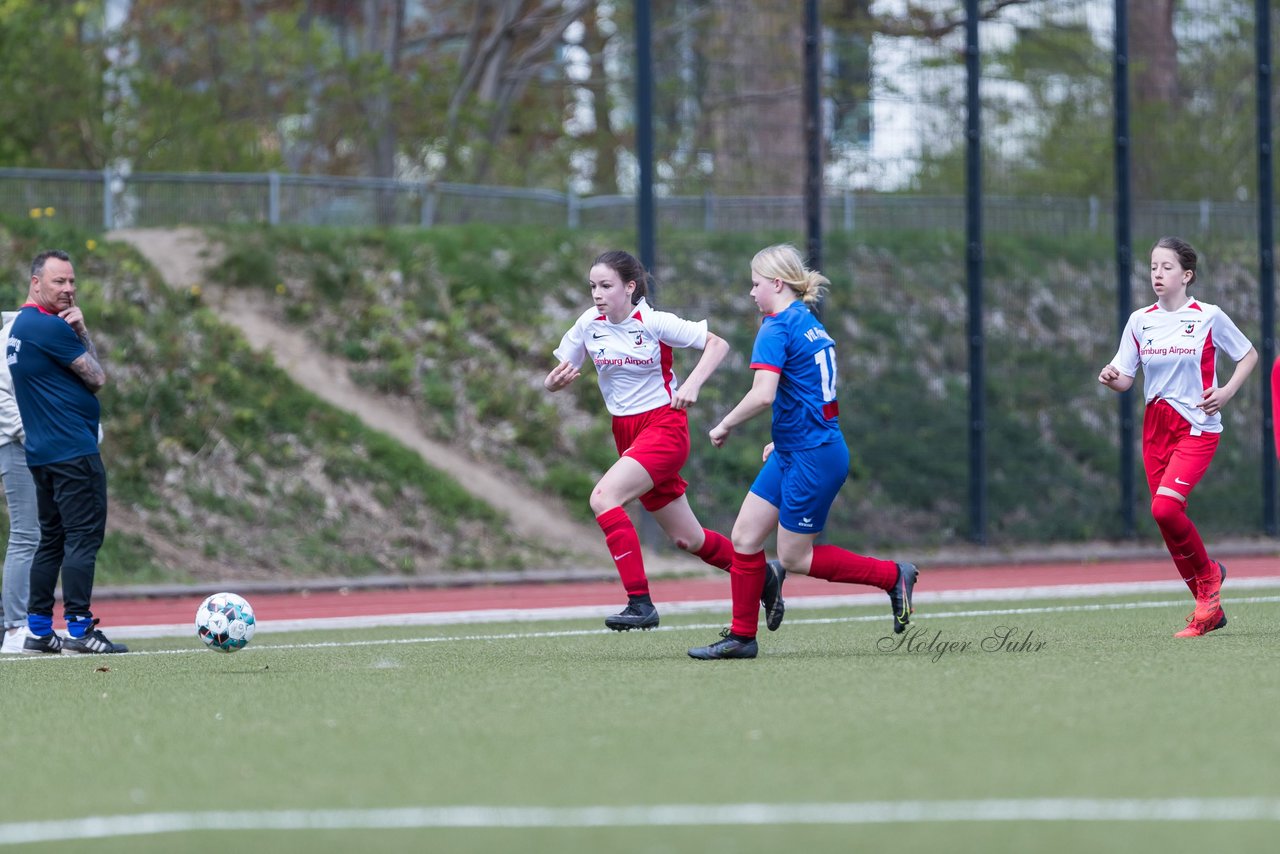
(36, 213)
(280, 288)
(49, 211)
(91, 244)
(195, 290)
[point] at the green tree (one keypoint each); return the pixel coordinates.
(497, 119)
(1048, 107)
(51, 84)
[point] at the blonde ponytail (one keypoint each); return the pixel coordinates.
(784, 262)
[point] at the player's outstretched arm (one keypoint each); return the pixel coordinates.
(561, 375)
(713, 353)
(764, 388)
(1111, 377)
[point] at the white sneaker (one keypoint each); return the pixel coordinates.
(13, 641)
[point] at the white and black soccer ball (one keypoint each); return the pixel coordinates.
(225, 622)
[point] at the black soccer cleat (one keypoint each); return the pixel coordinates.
(727, 647)
(94, 642)
(637, 615)
(49, 644)
(900, 596)
(774, 607)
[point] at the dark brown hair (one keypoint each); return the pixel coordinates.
(1186, 254)
(629, 268)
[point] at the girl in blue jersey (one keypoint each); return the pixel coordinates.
(631, 345)
(805, 465)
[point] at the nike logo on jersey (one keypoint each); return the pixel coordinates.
(596, 335)
(1181, 481)
(1145, 328)
(621, 556)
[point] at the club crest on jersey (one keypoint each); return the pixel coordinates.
(1190, 327)
(639, 333)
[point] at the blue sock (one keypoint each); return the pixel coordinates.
(40, 625)
(78, 627)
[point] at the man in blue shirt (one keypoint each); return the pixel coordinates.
(56, 377)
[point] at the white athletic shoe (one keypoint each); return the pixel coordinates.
(13, 640)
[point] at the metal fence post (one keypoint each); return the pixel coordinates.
(108, 212)
(1266, 257)
(571, 203)
(427, 216)
(1093, 213)
(973, 264)
(812, 97)
(708, 211)
(273, 198)
(848, 211)
(1124, 255)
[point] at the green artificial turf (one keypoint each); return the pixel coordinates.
(1090, 700)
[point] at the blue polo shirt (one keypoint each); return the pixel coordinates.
(59, 413)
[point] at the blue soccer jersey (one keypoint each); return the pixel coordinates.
(794, 344)
(59, 413)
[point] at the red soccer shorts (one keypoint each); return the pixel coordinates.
(659, 441)
(1171, 455)
(1275, 403)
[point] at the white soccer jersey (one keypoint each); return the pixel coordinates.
(1177, 351)
(632, 358)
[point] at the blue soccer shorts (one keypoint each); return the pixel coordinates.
(803, 484)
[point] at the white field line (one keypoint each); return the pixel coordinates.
(661, 815)
(527, 615)
(412, 619)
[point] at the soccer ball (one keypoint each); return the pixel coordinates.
(225, 622)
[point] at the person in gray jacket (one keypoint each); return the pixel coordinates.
(24, 519)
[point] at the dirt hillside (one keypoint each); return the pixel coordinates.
(182, 256)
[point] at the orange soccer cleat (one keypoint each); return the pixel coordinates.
(1208, 615)
(1195, 628)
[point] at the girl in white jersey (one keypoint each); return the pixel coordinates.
(1176, 342)
(631, 346)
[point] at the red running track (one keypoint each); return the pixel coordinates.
(357, 602)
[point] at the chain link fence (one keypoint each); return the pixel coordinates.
(105, 200)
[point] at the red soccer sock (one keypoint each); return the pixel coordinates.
(716, 549)
(1181, 539)
(624, 547)
(746, 580)
(832, 563)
